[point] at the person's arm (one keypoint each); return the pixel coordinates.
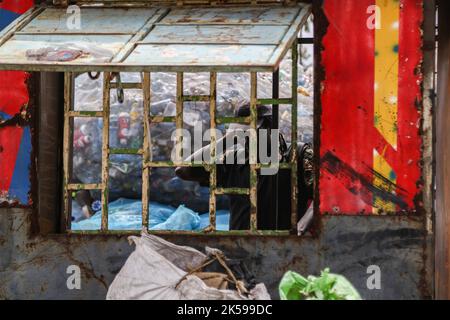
(304, 223)
(198, 174)
(84, 200)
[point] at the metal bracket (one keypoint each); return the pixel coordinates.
(119, 88)
(61, 3)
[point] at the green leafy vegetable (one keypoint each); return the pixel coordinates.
(327, 286)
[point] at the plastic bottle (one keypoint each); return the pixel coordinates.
(135, 126)
(124, 128)
(80, 138)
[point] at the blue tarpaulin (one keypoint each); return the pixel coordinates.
(126, 214)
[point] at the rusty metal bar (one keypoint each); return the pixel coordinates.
(280, 165)
(126, 151)
(213, 137)
(85, 114)
(168, 164)
(105, 149)
(205, 232)
(294, 187)
(84, 186)
(241, 120)
(68, 86)
(159, 119)
(275, 101)
(126, 85)
(146, 145)
(179, 118)
(40, 66)
(241, 191)
(253, 149)
(196, 98)
(275, 126)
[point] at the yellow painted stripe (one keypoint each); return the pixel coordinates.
(383, 168)
(386, 70)
(386, 92)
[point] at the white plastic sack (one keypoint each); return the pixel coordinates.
(154, 269)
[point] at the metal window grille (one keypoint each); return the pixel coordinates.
(135, 37)
(148, 164)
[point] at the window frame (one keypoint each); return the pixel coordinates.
(145, 86)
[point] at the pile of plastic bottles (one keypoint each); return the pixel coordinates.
(126, 127)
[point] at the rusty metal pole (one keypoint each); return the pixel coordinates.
(275, 126)
(253, 150)
(179, 119)
(213, 165)
(146, 146)
(294, 187)
(442, 223)
(105, 149)
(67, 137)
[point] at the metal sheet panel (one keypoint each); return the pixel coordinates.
(153, 39)
(23, 49)
(371, 115)
(229, 34)
(220, 16)
(15, 123)
(198, 55)
(35, 267)
(92, 21)
(221, 37)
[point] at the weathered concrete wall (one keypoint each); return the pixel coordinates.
(35, 267)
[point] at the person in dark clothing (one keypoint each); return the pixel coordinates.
(272, 214)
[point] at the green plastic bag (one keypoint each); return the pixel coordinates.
(328, 286)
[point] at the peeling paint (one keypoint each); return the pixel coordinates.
(351, 107)
(33, 266)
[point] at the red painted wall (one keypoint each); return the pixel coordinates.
(15, 138)
(348, 137)
(17, 6)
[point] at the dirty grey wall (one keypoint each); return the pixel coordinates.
(35, 267)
